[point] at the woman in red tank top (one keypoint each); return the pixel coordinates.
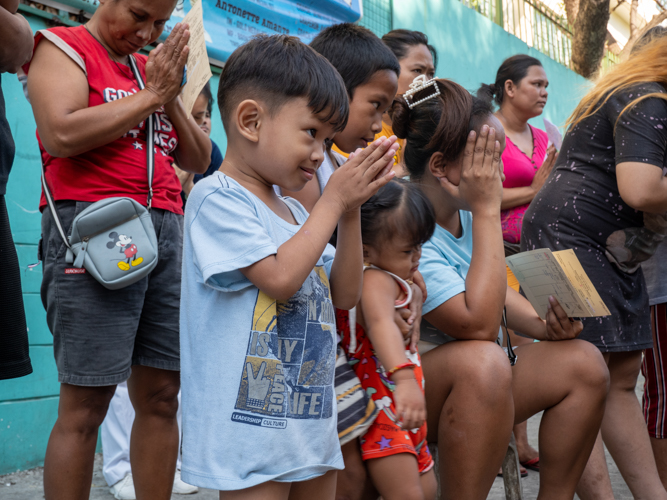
(91, 128)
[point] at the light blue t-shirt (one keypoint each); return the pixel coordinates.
(445, 262)
(257, 374)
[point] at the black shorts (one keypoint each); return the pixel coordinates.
(98, 334)
(14, 351)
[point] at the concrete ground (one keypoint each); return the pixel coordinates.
(27, 485)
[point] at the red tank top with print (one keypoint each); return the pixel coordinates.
(118, 168)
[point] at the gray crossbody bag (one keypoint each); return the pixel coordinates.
(113, 239)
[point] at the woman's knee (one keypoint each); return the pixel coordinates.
(83, 409)
(623, 369)
(484, 368)
(588, 366)
(160, 400)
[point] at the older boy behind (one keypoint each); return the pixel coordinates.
(370, 73)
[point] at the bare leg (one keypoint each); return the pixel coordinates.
(569, 381)
(68, 465)
(526, 452)
(397, 477)
(624, 429)
(429, 484)
(660, 453)
(154, 440)
(264, 491)
(353, 483)
(595, 483)
(470, 414)
(322, 488)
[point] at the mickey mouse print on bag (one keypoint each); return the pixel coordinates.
(127, 248)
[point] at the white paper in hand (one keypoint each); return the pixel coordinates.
(553, 134)
(198, 71)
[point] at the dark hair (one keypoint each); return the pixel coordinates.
(440, 124)
(513, 68)
(399, 41)
(277, 68)
(356, 52)
(206, 92)
(651, 35)
(414, 214)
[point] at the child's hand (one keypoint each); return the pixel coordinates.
(559, 326)
(409, 400)
(481, 185)
(362, 175)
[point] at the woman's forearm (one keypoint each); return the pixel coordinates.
(514, 197)
(522, 318)
(59, 94)
(486, 281)
(193, 153)
(70, 134)
(347, 268)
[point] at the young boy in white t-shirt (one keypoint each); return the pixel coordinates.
(258, 336)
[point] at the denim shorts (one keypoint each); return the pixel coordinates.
(98, 334)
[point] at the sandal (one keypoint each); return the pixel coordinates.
(532, 464)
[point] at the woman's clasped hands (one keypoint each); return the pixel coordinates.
(164, 68)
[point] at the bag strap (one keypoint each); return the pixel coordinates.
(52, 205)
(150, 135)
(510, 351)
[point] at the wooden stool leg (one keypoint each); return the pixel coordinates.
(511, 473)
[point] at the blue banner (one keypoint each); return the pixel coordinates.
(229, 24)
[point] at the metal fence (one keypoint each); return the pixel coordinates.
(537, 25)
(377, 16)
(534, 23)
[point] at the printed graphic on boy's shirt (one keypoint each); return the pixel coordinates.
(289, 365)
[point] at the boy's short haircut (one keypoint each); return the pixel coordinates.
(356, 52)
(277, 68)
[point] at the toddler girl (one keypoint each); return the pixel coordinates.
(394, 224)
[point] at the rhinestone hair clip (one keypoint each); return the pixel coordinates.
(417, 85)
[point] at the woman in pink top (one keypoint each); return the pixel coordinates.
(520, 91)
(523, 179)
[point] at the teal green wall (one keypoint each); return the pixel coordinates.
(472, 47)
(28, 405)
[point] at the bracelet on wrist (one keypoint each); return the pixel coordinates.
(409, 365)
